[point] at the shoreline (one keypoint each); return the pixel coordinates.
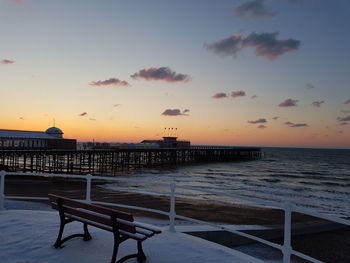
(211, 211)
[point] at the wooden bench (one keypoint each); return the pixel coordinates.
(121, 224)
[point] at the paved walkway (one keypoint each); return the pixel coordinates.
(27, 236)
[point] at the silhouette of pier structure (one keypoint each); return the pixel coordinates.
(110, 162)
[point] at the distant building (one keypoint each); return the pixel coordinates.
(170, 142)
(114, 145)
(52, 138)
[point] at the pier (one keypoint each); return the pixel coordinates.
(110, 162)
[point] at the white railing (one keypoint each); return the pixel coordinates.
(287, 207)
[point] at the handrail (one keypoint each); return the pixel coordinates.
(287, 207)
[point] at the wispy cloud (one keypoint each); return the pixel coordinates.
(261, 126)
(254, 97)
(288, 103)
(347, 101)
(175, 112)
(255, 9)
(7, 61)
(345, 111)
(288, 123)
(110, 82)
(162, 73)
(83, 114)
(275, 118)
(262, 120)
(18, 1)
(92, 119)
(317, 104)
(309, 86)
(220, 95)
(116, 105)
(266, 45)
(343, 123)
(295, 125)
(343, 119)
(236, 94)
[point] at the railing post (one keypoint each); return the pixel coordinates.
(2, 190)
(172, 212)
(88, 188)
(287, 248)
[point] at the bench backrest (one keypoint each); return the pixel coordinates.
(97, 216)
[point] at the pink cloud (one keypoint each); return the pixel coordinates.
(110, 82)
(258, 121)
(219, 95)
(261, 126)
(317, 104)
(266, 45)
(236, 94)
(288, 103)
(342, 119)
(162, 73)
(255, 9)
(295, 125)
(175, 112)
(309, 86)
(347, 101)
(7, 61)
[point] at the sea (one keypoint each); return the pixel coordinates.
(317, 179)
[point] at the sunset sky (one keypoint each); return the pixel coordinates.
(238, 72)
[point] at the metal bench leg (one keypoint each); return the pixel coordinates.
(87, 235)
(140, 254)
(115, 249)
(59, 237)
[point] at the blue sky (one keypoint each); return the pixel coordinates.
(59, 47)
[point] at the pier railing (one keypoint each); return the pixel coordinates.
(287, 208)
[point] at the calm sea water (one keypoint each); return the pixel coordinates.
(315, 178)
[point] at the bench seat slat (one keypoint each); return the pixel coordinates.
(149, 231)
(144, 232)
(135, 236)
(148, 227)
(126, 225)
(95, 224)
